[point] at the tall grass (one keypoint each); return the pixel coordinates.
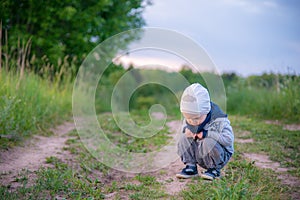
(33, 105)
(31, 100)
(280, 101)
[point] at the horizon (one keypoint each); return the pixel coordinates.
(189, 67)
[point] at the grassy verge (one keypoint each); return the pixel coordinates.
(280, 144)
(29, 105)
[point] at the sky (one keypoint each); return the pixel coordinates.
(243, 36)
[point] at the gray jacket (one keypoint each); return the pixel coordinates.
(219, 128)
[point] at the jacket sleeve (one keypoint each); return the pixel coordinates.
(221, 131)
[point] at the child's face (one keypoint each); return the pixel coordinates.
(193, 119)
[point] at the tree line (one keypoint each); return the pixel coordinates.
(52, 32)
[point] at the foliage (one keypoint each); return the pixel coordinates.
(191, 76)
(106, 85)
(143, 97)
(272, 96)
(150, 94)
(67, 28)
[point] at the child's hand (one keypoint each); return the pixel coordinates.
(189, 134)
(198, 135)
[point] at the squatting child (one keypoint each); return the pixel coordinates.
(207, 138)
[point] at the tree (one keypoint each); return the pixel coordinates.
(70, 27)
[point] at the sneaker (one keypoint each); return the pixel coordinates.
(188, 172)
(211, 174)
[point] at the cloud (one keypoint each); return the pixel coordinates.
(156, 59)
(143, 59)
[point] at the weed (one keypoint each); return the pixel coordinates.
(52, 160)
(147, 179)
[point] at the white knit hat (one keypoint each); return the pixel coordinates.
(195, 100)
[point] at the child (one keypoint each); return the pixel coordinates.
(207, 138)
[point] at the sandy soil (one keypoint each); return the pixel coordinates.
(29, 157)
(171, 183)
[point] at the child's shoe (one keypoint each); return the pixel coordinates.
(211, 174)
(188, 172)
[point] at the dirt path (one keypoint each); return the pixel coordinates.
(290, 127)
(166, 176)
(263, 161)
(168, 179)
(32, 155)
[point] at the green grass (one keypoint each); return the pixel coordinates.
(86, 178)
(57, 182)
(282, 103)
(138, 187)
(29, 106)
(281, 145)
(242, 181)
(130, 143)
